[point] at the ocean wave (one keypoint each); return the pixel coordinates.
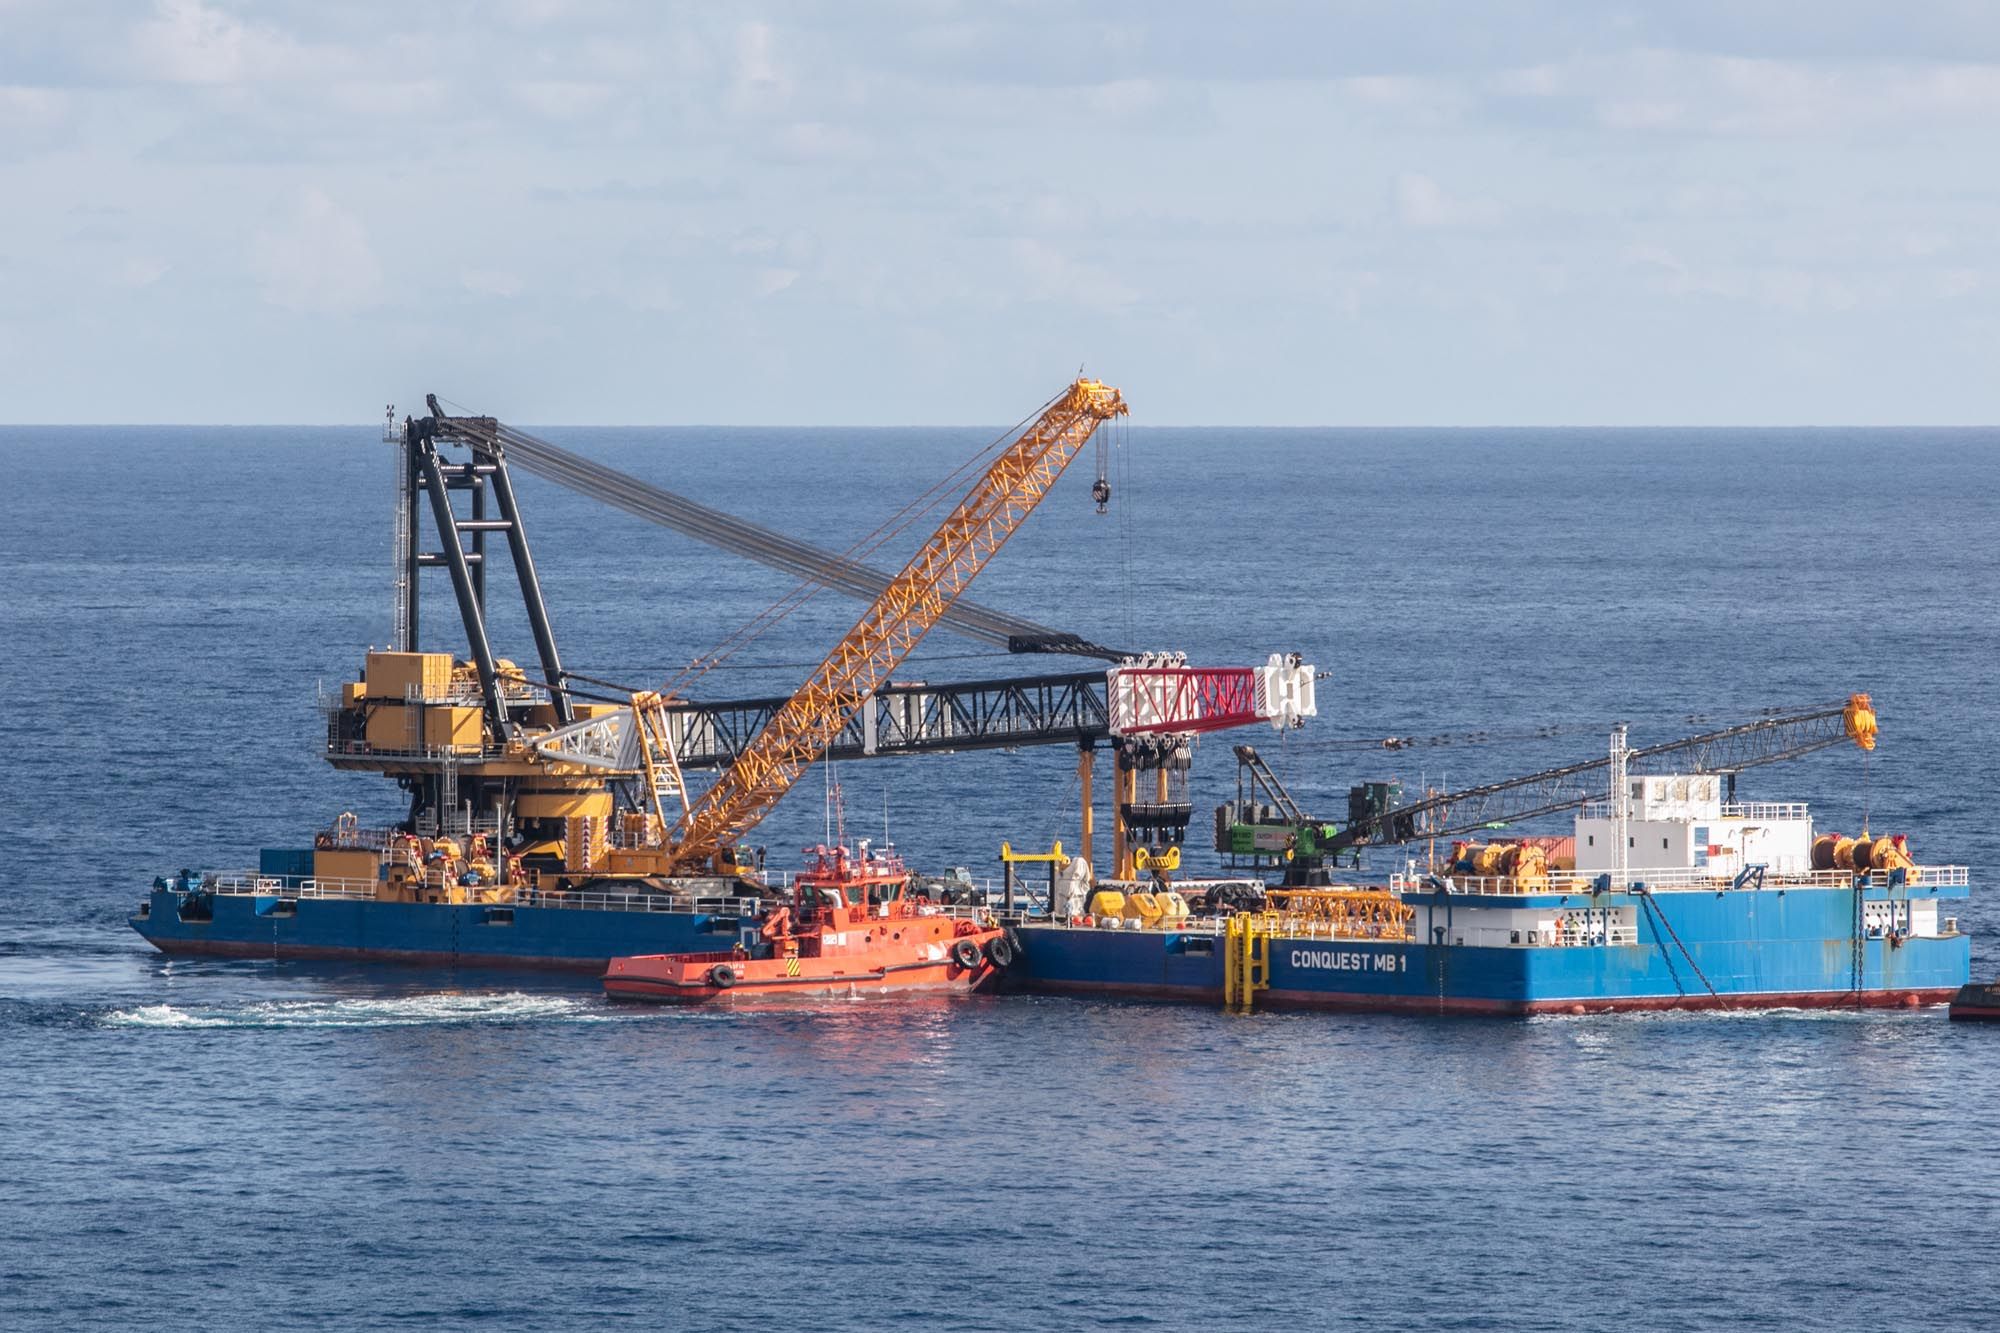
(399, 1011)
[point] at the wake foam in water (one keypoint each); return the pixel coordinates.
(160, 1016)
(401, 1011)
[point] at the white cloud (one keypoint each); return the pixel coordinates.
(189, 42)
(1693, 181)
(1422, 202)
(1128, 98)
(771, 281)
(813, 141)
(1686, 92)
(1791, 288)
(490, 282)
(537, 13)
(1054, 276)
(1953, 283)
(1662, 90)
(1408, 99)
(139, 271)
(31, 108)
(560, 99)
(647, 292)
(761, 82)
(318, 259)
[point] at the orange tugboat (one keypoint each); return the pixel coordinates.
(851, 927)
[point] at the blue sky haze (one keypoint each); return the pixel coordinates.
(933, 212)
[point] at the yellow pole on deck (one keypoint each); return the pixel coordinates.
(1086, 780)
(1124, 792)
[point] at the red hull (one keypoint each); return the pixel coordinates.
(638, 985)
(409, 957)
(1423, 1004)
(886, 947)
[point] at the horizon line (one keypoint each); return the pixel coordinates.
(1156, 425)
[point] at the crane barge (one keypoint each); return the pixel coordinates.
(1671, 893)
(550, 817)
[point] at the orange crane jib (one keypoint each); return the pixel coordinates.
(913, 602)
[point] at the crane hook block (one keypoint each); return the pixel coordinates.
(1859, 720)
(1101, 493)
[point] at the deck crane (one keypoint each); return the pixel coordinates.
(907, 609)
(1377, 817)
(583, 777)
(1266, 820)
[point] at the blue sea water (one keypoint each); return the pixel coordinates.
(257, 1146)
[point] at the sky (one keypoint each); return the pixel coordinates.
(928, 212)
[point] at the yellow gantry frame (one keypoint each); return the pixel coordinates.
(649, 715)
(1054, 856)
(802, 729)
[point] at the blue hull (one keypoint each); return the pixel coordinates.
(467, 935)
(1746, 949)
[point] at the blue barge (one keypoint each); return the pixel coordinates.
(244, 916)
(1495, 952)
(1737, 906)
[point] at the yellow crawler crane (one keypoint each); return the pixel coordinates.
(914, 601)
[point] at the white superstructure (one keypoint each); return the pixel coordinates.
(1680, 822)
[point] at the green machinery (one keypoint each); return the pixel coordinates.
(1264, 829)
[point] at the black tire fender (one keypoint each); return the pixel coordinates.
(965, 953)
(722, 976)
(1000, 952)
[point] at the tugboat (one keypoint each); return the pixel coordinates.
(1975, 1003)
(850, 927)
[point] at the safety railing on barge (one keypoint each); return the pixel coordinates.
(367, 890)
(1678, 879)
(527, 895)
(1758, 810)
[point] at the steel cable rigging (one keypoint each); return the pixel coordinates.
(814, 564)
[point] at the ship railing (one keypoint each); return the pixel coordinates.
(636, 902)
(1282, 927)
(248, 884)
(1574, 936)
(783, 879)
(1305, 928)
(361, 749)
(1568, 936)
(1676, 878)
(1769, 810)
(335, 838)
(1766, 810)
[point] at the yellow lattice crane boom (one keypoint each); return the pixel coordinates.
(915, 600)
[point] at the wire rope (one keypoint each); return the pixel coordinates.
(884, 532)
(725, 531)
